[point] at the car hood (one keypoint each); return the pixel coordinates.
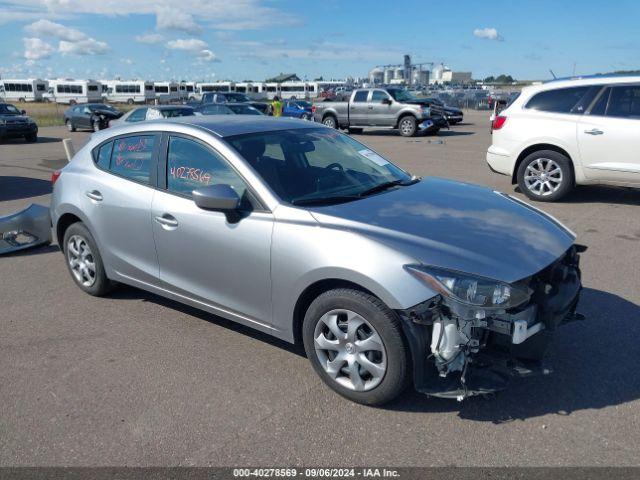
(458, 226)
(10, 116)
(452, 110)
(108, 113)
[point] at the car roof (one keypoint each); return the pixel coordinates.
(170, 107)
(231, 125)
(583, 81)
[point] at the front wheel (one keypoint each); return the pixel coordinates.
(31, 138)
(545, 176)
(70, 126)
(355, 343)
(408, 126)
(96, 125)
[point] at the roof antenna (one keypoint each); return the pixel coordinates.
(553, 74)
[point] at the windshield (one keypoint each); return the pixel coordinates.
(316, 164)
(244, 110)
(237, 97)
(400, 95)
(177, 112)
(7, 109)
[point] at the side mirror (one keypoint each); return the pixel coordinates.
(387, 101)
(221, 198)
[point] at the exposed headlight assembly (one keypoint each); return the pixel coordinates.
(471, 290)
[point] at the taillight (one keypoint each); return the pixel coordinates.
(499, 122)
(313, 109)
(55, 176)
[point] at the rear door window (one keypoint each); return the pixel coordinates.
(132, 157)
(561, 100)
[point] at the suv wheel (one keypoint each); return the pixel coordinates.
(84, 261)
(408, 126)
(355, 343)
(545, 176)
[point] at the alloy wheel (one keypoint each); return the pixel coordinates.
(81, 260)
(543, 176)
(350, 350)
(406, 127)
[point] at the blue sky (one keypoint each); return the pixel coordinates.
(254, 39)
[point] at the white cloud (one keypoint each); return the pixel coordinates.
(171, 18)
(149, 38)
(72, 41)
(217, 14)
(195, 46)
(189, 44)
(88, 46)
(206, 55)
(51, 29)
(36, 49)
(488, 34)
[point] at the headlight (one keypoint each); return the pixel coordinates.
(426, 111)
(470, 289)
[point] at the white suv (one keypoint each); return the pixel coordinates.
(570, 132)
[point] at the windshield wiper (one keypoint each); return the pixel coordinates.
(386, 185)
(325, 200)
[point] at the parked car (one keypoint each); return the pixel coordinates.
(301, 232)
(382, 108)
(155, 112)
(15, 123)
(227, 109)
(93, 116)
(231, 97)
(565, 133)
(298, 109)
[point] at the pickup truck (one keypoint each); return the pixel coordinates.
(382, 107)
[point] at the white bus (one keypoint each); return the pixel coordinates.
(74, 91)
(293, 90)
(189, 91)
(128, 91)
(216, 87)
(23, 90)
(166, 92)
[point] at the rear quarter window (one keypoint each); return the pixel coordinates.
(131, 157)
(102, 156)
(561, 100)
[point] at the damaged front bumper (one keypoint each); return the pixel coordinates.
(491, 346)
(25, 229)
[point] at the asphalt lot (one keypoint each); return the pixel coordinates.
(133, 379)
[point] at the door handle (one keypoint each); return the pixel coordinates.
(167, 220)
(94, 195)
(594, 131)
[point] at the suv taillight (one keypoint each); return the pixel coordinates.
(499, 122)
(55, 176)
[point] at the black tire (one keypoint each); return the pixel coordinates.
(547, 157)
(70, 126)
(31, 138)
(72, 102)
(386, 324)
(130, 101)
(355, 130)
(96, 125)
(330, 121)
(101, 285)
(407, 126)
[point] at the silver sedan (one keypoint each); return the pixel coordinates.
(300, 231)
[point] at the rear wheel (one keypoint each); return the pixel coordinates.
(84, 261)
(408, 126)
(330, 121)
(355, 343)
(545, 176)
(130, 101)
